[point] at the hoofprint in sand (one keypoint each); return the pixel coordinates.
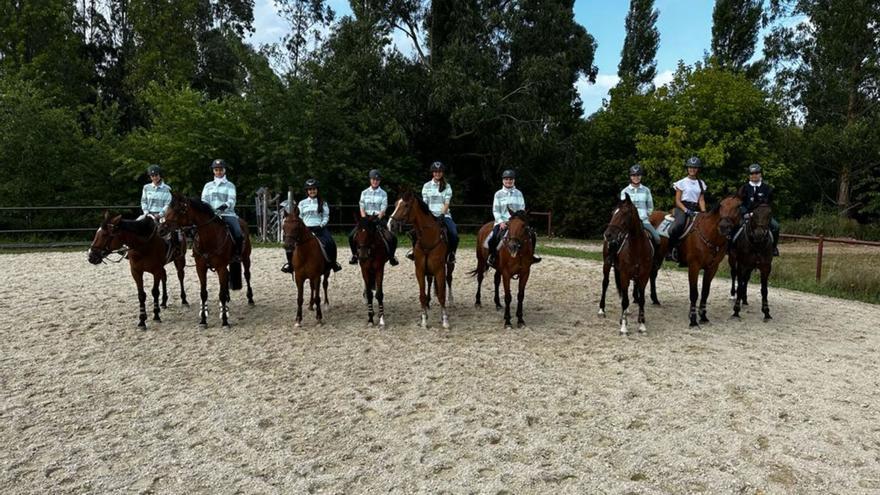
(91, 404)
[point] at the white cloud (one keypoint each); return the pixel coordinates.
(663, 78)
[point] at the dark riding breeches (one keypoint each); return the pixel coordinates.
(327, 240)
(235, 230)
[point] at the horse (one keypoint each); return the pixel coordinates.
(752, 248)
(147, 252)
(704, 247)
(514, 260)
(308, 263)
(429, 251)
(629, 250)
(372, 256)
(213, 248)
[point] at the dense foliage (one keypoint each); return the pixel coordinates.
(93, 91)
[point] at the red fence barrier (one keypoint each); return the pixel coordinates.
(821, 240)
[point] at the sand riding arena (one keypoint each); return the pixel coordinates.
(90, 404)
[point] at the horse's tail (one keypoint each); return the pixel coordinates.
(482, 267)
(235, 275)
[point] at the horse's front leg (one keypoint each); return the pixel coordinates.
(202, 272)
(520, 296)
(368, 290)
(440, 281)
(653, 278)
(164, 289)
(299, 279)
(179, 265)
(246, 262)
(505, 278)
(480, 276)
(623, 288)
(223, 276)
(450, 267)
(142, 298)
(157, 280)
(606, 269)
(765, 277)
(708, 275)
(380, 295)
(423, 296)
(740, 290)
(693, 277)
(641, 286)
(497, 286)
(315, 285)
(326, 283)
(734, 281)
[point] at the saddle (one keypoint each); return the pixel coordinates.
(321, 246)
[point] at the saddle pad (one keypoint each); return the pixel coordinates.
(667, 222)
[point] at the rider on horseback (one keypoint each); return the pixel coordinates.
(374, 201)
(315, 214)
(220, 194)
(689, 199)
(642, 199)
(507, 199)
(155, 198)
(753, 193)
(437, 194)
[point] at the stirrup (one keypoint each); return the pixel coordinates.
(410, 256)
(450, 258)
(393, 261)
(336, 267)
(536, 259)
(286, 268)
(353, 260)
(672, 255)
(491, 260)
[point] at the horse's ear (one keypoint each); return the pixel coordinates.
(106, 215)
(357, 217)
(627, 198)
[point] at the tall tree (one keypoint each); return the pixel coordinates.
(830, 65)
(637, 65)
(735, 26)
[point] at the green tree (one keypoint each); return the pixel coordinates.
(735, 26)
(637, 65)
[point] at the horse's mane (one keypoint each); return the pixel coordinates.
(419, 201)
(368, 221)
(200, 206)
(717, 206)
(521, 214)
(140, 228)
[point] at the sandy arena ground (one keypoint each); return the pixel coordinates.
(92, 405)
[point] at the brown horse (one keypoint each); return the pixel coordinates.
(656, 218)
(629, 250)
(429, 251)
(372, 256)
(147, 252)
(704, 247)
(213, 248)
(752, 248)
(514, 260)
(308, 263)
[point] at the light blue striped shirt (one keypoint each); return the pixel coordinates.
(219, 193)
(308, 211)
(641, 198)
(435, 199)
(507, 198)
(373, 201)
(155, 199)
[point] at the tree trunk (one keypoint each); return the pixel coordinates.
(843, 185)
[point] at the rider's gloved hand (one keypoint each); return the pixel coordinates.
(689, 212)
(222, 208)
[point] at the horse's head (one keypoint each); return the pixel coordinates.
(728, 210)
(365, 236)
(106, 239)
(759, 223)
(293, 228)
(624, 222)
(517, 231)
(178, 213)
(403, 209)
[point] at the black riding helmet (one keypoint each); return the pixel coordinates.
(311, 183)
(754, 169)
(438, 165)
(154, 169)
(374, 174)
(218, 163)
(693, 162)
(508, 174)
(636, 170)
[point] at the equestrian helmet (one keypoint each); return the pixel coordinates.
(693, 162)
(154, 169)
(438, 165)
(508, 174)
(755, 168)
(311, 184)
(374, 174)
(636, 170)
(218, 163)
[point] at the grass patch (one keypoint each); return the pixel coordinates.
(831, 225)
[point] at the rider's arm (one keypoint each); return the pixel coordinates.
(702, 201)
(144, 205)
(447, 198)
(650, 201)
(497, 209)
(383, 205)
(325, 217)
(230, 202)
(678, 203)
(363, 204)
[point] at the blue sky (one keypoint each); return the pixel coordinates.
(685, 34)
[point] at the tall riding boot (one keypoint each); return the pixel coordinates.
(535, 258)
(288, 267)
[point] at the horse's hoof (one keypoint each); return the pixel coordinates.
(370, 324)
(703, 319)
(251, 302)
(163, 306)
(203, 326)
(142, 327)
(184, 303)
(745, 303)
(319, 323)
(694, 324)
(731, 297)
(601, 312)
(656, 302)
(643, 328)
(520, 324)
(767, 317)
(735, 317)
(498, 307)
(297, 325)
(478, 305)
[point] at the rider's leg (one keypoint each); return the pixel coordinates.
(330, 247)
(774, 229)
(674, 233)
(452, 235)
(494, 238)
(534, 236)
(353, 246)
(235, 229)
(391, 242)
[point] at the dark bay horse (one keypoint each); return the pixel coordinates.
(752, 248)
(514, 260)
(372, 256)
(704, 247)
(429, 251)
(629, 251)
(308, 263)
(213, 248)
(656, 218)
(147, 252)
